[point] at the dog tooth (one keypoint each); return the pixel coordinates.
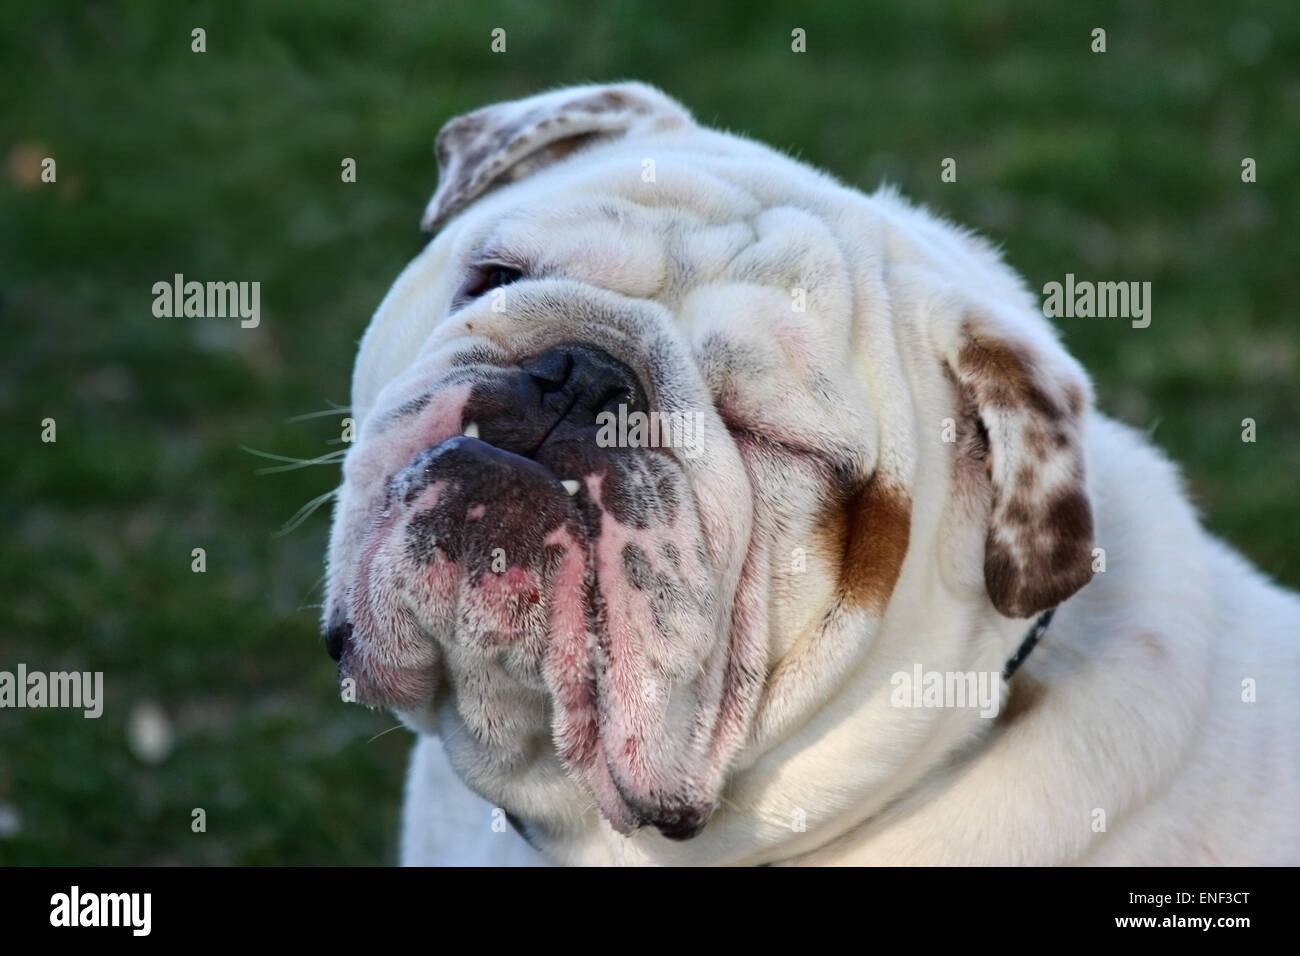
(571, 485)
(471, 430)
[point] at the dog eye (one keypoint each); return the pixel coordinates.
(491, 276)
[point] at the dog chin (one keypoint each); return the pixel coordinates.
(421, 720)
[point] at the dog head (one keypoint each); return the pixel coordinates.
(647, 436)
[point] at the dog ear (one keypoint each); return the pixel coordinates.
(508, 141)
(1023, 400)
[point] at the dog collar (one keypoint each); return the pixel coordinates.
(1027, 645)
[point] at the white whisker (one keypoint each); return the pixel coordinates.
(319, 581)
(328, 458)
(323, 413)
(305, 512)
(382, 732)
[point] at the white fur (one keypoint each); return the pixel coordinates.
(1139, 714)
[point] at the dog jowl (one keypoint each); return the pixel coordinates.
(562, 589)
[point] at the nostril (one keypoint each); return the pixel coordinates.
(566, 388)
(337, 638)
(588, 379)
(551, 370)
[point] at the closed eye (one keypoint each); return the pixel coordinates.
(484, 278)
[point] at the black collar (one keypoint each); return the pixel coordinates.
(1028, 643)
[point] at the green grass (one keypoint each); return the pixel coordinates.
(225, 165)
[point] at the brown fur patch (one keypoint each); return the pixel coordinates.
(1070, 518)
(1038, 550)
(563, 147)
(868, 530)
(1026, 696)
(608, 101)
(1004, 377)
(1050, 559)
(1076, 399)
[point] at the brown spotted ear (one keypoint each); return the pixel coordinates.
(1028, 398)
(508, 141)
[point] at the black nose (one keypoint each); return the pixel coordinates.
(337, 636)
(679, 823)
(554, 400)
(580, 381)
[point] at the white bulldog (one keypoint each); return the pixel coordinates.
(790, 619)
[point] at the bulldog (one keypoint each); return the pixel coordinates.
(889, 590)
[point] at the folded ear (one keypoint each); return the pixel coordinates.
(1027, 399)
(508, 141)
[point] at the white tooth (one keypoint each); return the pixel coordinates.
(471, 430)
(571, 485)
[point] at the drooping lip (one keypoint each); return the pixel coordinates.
(570, 676)
(406, 681)
(375, 682)
(580, 711)
(568, 662)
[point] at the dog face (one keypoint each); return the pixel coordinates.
(647, 437)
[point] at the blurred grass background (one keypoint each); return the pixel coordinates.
(225, 166)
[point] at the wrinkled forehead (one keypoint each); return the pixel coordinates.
(635, 218)
(632, 218)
